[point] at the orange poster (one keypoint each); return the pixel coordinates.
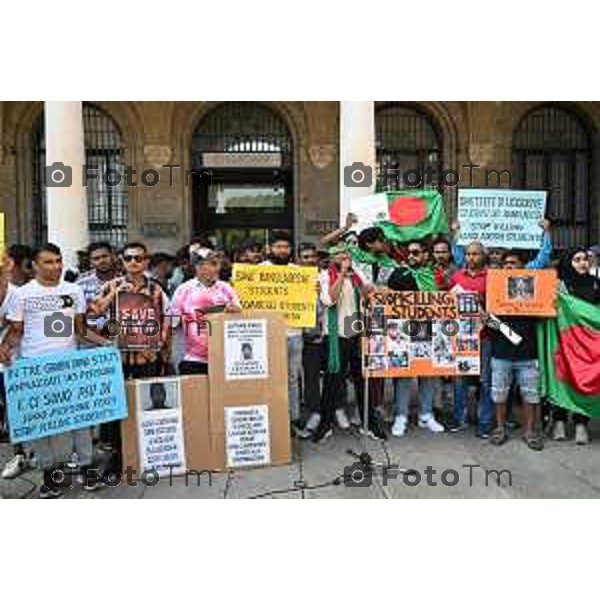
(527, 292)
(429, 334)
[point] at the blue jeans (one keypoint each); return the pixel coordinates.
(294, 347)
(525, 373)
(486, 406)
(427, 387)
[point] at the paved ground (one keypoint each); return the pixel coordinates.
(562, 470)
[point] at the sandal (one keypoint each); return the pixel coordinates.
(534, 441)
(499, 436)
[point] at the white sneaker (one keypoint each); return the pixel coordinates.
(399, 427)
(342, 419)
(355, 418)
(428, 422)
(312, 422)
(14, 467)
(581, 434)
(558, 432)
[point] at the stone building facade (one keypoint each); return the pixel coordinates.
(276, 164)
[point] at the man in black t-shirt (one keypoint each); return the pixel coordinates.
(519, 363)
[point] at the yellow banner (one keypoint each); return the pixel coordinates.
(288, 289)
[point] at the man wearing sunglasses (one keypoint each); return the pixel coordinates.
(415, 275)
(137, 362)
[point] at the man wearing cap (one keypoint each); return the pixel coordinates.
(193, 301)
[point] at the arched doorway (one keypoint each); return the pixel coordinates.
(242, 155)
(107, 205)
(406, 138)
(552, 151)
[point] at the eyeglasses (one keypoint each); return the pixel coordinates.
(138, 258)
(414, 252)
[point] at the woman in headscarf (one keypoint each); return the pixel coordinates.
(575, 279)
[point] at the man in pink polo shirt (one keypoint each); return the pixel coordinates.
(193, 302)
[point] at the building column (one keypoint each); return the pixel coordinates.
(66, 197)
(357, 144)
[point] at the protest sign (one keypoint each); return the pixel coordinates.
(52, 394)
(272, 439)
(161, 446)
(368, 210)
(289, 289)
(416, 333)
(501, 218)
(247, 436)
(246, 349)
(139, 319)
(526, 292)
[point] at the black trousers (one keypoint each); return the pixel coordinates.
(193, 367)
(312, 363)
(334, 384)
(562, 414)
(110, 433)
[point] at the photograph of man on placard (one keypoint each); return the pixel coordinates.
(158, 395)
(521, 288)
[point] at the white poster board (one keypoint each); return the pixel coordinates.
(501, 218)
(160, 425)
(369, 210)
(246, 349)
(247, 440)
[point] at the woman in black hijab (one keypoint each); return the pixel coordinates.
(576, 279)
(575, 276)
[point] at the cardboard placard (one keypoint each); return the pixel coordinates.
(501, 218)
(194, 400)
(526, 292)
(52, 394)
(421, 334)
(160, 433)
(289, 289)
(263, 395)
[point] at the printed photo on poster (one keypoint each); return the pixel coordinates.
(442, 346)
(469, 326)
(467, 344)
(520, 288)
(377, 363)
(376, 319)
(467, 365)
(248, 441)
(160, 425)
(139, 321)
(246, 349)
(377, 344)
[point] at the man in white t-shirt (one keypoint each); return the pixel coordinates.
(47, 316)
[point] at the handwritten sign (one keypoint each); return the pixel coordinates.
(160, 425)
(246, 349)
(248, 439)
(289, 289)
(525, 292)
(501, 218)
(62, 392)
(421, 334)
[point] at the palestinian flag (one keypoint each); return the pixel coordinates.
(569, 356)
(413, 215)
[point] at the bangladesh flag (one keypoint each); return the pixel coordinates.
(569, 355)
(413, 215)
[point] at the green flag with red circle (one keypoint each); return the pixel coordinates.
(413, 215)
(569, 356)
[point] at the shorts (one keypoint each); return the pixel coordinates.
(525, 373)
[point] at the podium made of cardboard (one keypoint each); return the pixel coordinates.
(240, 406)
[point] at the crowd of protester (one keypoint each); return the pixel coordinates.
(322, 360)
